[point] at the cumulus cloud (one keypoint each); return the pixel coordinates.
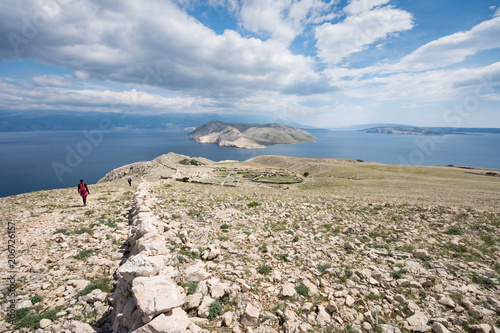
(363, 26)
(283, 19)
(153, 43)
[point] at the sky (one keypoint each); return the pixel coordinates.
(318, 63)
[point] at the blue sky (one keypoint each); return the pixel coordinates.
(318, 63)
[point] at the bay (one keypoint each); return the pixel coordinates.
(31, 161)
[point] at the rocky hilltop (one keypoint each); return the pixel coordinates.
(250, 136)
(274, 244)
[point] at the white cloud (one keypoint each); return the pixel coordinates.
(155, 43)
(356, 33)
(283, 19)
(22, 95)
(497, 12)
(360, 6)
(54, 80)
(454, 48)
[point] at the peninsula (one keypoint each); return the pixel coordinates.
(250, 136)
(415, 130)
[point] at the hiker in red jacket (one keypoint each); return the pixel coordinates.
(84, 191)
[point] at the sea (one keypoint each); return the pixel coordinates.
(32, 161)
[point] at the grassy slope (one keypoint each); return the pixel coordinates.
(394, 183)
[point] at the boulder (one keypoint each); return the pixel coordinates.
(195, 272)
(157, 294)
(175, 321)
(141, 265)
(439, 328)
(250, 316)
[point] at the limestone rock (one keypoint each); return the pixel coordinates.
(79, 327)
(204, 308)
(250, 316)
(195, 272)
(420, 253)
(141, 265)
(157, 294)
(175, 321)
(439, 328)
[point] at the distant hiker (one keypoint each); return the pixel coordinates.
(129, 182)
(84, 191)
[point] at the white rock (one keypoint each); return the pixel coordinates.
(349, 300)
(152, 244)
(219, 289)
(45, 323)
(227, 318)
(439, 328)
(78, 284)
(195, 272)
(141, 265)
(323, 317)
(193, 301)
(447, 301)
(175, 321)
(251, 315)
(418, 322)
(288, 290)
(96, 295)
(156, 295)
(389, 329)
(313, 290)
(79, 327)
(204, 308)
(24, 304)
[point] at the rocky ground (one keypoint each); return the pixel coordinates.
(239, 247)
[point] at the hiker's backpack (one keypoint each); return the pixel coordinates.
(82, 188)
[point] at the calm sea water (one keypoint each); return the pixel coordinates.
(31, 161)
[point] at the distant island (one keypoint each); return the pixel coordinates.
(415, 130)
(249, 136)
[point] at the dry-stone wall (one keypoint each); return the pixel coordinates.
(147, 299)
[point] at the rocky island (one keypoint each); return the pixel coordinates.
(273, 244)
(250, 136)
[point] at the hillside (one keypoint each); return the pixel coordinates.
(414, 130)
(250, 136)
(257, 246)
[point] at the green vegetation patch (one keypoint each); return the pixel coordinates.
(214, 310)
(454, 231)
(83, 254)
(103, 285)
(36, 299)
(302, 290)
(188, 161)
(264, 269)
(483, 281)
(191, 287)
(22, 319)
(323, 268)
(84, 230)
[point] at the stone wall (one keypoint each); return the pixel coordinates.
(147, 299)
